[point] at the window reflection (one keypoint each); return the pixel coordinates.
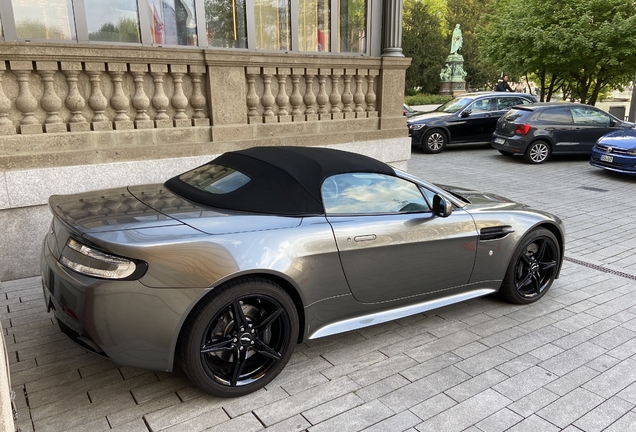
(313, 25)
(367, 193)
(225, 23)
(273, 24)
(352, 19)
(173, 22)
(44, 19)
(113, 20)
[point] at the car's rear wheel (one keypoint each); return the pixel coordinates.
(506, 153)
(239, 338)
(434, 141)
(533, 267)
(537, 152)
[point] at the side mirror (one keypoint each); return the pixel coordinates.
(465, 113)
(612, 123)
(441, 206)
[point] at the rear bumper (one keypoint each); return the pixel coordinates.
(126, 321)
(511, 144)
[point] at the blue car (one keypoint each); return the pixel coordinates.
(616, 151)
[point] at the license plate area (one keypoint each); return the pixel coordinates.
(500, 141)
(607, 158)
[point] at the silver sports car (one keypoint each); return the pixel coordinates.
(226, 267)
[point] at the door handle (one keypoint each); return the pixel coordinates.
(367, 237)
(576, 129)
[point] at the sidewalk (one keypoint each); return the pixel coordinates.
(567, 362)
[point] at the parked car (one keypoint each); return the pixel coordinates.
(469, 118)
(226, 267)
(408, 111)
(539, 130)
(616, 151)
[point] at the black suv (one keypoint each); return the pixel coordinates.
(539, 130)
(469, 118)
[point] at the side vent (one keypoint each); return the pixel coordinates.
(495, 233)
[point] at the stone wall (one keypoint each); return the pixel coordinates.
(78, 117)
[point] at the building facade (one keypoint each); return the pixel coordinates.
(97, 94)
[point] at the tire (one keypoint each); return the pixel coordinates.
(538, 152)
(533, 267)
(434, 141)
(227, 357)
(505, 153)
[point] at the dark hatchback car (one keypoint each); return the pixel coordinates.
(539, 130)
(616, 152)
(469, 118)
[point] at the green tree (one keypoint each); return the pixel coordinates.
(467, 13)
(587, 45)
(423, 41)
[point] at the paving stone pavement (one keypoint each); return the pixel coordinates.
(566, 363)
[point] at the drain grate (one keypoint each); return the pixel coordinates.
(593, 189)
(601, 268)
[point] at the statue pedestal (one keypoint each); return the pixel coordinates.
(453, 76)
(451, 88)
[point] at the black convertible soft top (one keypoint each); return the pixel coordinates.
(283, 180)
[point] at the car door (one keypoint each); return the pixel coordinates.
(590, 123)
(391, 245)
(475, 123)
(556, 123)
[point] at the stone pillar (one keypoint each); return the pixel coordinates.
(198, 99)
(392, 28)
(160, 101)
(335, 98)
(390, 93)
(371, 97)
(97, 101)
(25, 102)
(281, 98)
(322, 97)
(310, 97)
(347, 96)
(74, 101)
(6, 125)
(252, 100)
(296, 99)
(140, 100)
(51, 102)
(179, 100)
(268, 97)
(119, 101)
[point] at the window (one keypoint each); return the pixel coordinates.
(112, 21)
(272, 24)
(44, 19)
(556, 115)
(313, 25)
(352, 21)
(589, 116)
(173, 22)
(369, 193)
(215, 179)
(225, 23)
(480, 106)
(505, 103)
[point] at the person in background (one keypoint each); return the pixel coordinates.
(502, 84)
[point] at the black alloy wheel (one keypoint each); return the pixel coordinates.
(537, 152)
(241, 337)
(533, 267)
(434, 141)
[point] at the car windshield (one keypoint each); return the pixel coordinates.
(455, 105)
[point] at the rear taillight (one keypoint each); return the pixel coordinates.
(522, 129)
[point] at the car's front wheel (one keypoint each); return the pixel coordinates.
(434, 141)
(239, 338)
(537, 152)
(533, 267)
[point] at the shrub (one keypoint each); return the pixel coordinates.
(426, 99)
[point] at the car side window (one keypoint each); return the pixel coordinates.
(590, 116)
(481, 106)
(505, 103)
(371, 193)
(556, 115)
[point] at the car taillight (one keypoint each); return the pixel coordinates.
(522, 129)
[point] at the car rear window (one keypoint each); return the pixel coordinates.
(556, 115)
(515, 114)
(215, 179)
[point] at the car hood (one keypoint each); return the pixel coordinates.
(152, 206)
(624, 139)
(432, 115)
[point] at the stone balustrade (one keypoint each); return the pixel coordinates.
(309, 94)
(72, 96)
